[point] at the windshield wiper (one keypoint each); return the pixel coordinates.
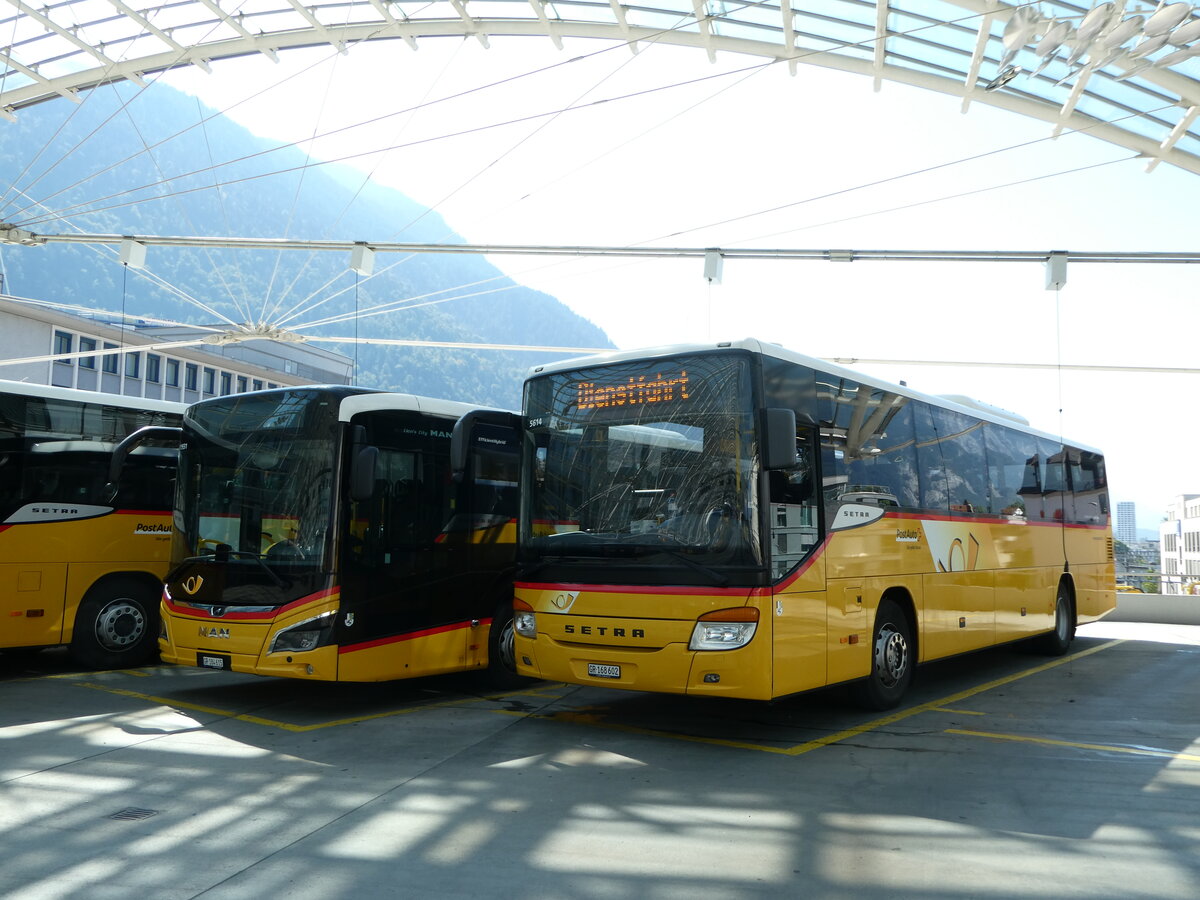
(720, 579)
(257, 557)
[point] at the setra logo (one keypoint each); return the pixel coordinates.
(193, 584)
(219, 633)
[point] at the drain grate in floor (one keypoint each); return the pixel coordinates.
(133, 814)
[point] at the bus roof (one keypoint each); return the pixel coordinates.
(973, 408)
(450, 409)
(353, 400)
(51, 392)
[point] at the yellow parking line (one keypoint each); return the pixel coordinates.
(958, 712)
(272, 723)
(591, 718)
(1104, 748)
(944, 701)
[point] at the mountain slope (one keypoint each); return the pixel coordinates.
(91, 165)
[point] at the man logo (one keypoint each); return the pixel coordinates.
(222, 633)
(192, 584)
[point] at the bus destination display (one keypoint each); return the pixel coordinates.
(634, 390)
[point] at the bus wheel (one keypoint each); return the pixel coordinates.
(502, 654)
(116, 626)
(1057, 642)
(891, 659)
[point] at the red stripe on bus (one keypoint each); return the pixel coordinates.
(412, 635)
(990, 519)
(242, 616)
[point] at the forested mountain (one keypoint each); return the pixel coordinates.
(157, 163)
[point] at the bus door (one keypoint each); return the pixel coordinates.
(485, 519)
(406, 579)
(799, 606)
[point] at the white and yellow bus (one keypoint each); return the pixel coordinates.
(739, 520)
(82, 557)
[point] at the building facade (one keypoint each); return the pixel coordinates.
(1179, 546)
(135, 367)
(1126, 530)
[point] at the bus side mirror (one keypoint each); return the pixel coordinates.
(362, 473)
(777, 437)
(460, 438)
(121, 452)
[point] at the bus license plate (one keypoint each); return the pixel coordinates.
(602, 671)
(210, 661)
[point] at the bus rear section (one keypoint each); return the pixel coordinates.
(322, 536)
(742, 521)
(82, 557)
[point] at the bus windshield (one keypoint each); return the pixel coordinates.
(258, 480)
(654, 466)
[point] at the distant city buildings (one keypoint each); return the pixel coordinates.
(181, 373)
(1126, 530)
(1179, 542)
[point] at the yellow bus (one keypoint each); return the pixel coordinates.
(82, 557)
(321, 535)
(739, 520)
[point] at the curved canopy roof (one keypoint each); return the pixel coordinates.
(1125, 71)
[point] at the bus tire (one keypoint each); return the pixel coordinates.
(1058, 641)
(116, 625)
(502, 656)
(892, 659)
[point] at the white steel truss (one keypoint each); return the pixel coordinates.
(1143, 99)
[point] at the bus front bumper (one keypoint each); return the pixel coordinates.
(742, 673)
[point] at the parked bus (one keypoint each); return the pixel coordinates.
(83, 552)
(739, 520)
(319, 535)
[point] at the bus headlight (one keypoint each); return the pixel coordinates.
(724, 629)
(306, 635)
(524, 620)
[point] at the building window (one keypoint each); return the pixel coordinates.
(226, 384)
(243, 383)
(210, 380)
(153, 367)
(64, 342)
(172, 373)
(272, 385)
(257, 384)
(190, 377)
(133, 365)
(110, 361)
(87, 362)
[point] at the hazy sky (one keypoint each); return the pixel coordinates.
(700, 165)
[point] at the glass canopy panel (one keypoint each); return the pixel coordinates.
(746, 31)
(936, 38)
(204, 31)
(278, 20)
(664, 20)
(500, 9)
(837, 36)
(589, 13)
(181, 15)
